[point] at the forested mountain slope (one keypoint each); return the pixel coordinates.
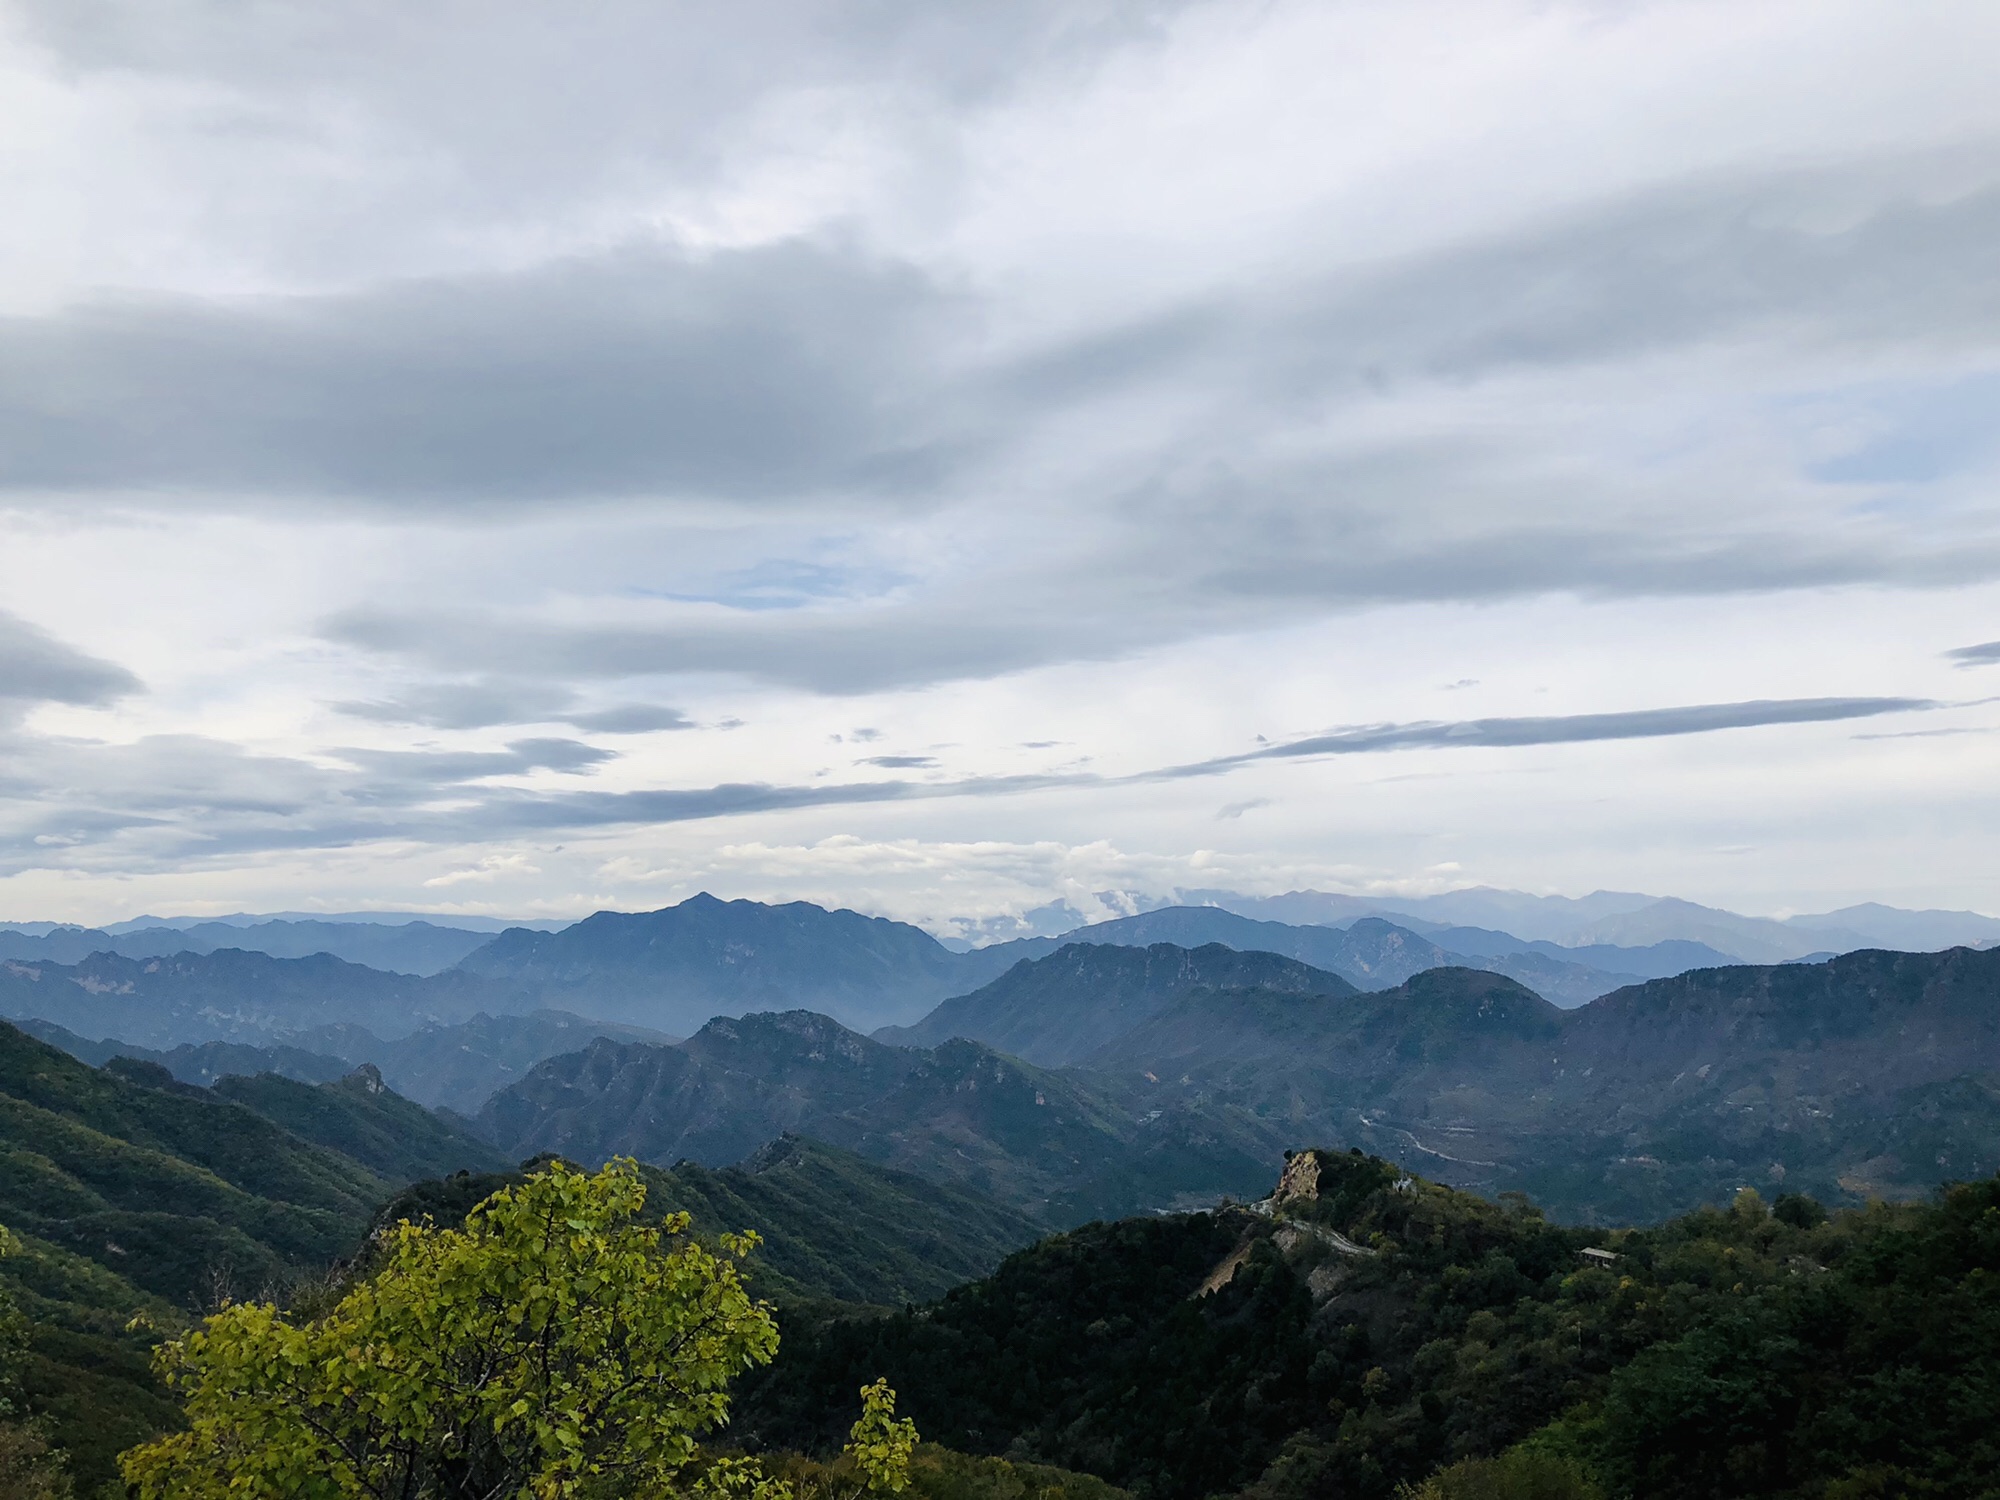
(366, 1121)
(1369, 1326)
(833, 1225)
(165, 1184)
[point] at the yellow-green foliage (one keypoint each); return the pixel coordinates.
(553, 1347)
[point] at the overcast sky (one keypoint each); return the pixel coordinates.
(942, 459)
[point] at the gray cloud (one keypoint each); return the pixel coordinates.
(899, 762)
(489, 702)
(630, 718)
(1983, 655)
(451, 767)
(36, 667)
(809, 372)
(791, 371)
(1679, 266)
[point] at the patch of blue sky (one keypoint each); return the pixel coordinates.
(1909, 434)
(786, 583)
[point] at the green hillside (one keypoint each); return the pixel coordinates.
(132, 1193)
(85, 1373)
(363, 1119)
(1371, 1327)
(169, 1186)
(835, 1227)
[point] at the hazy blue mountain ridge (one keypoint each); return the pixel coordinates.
(1054, 1011)
(677, 967)
(420, 948)
(1629, 919)
(1370, 953)
(231, 995)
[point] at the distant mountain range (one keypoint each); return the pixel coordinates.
(1628, 919)
(1370, 953)
(1869, 1074)
(420, 948)
(671, 970)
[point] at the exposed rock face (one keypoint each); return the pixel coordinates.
(1300, 1179)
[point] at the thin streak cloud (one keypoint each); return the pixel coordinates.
(514, 811)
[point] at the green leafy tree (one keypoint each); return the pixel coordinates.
(554, 1347)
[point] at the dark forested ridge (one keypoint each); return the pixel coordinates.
(1367, 1327)
(131, 1192)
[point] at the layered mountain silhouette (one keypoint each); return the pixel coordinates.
(163, 985)
(1868, 1074)
(1370, 953)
